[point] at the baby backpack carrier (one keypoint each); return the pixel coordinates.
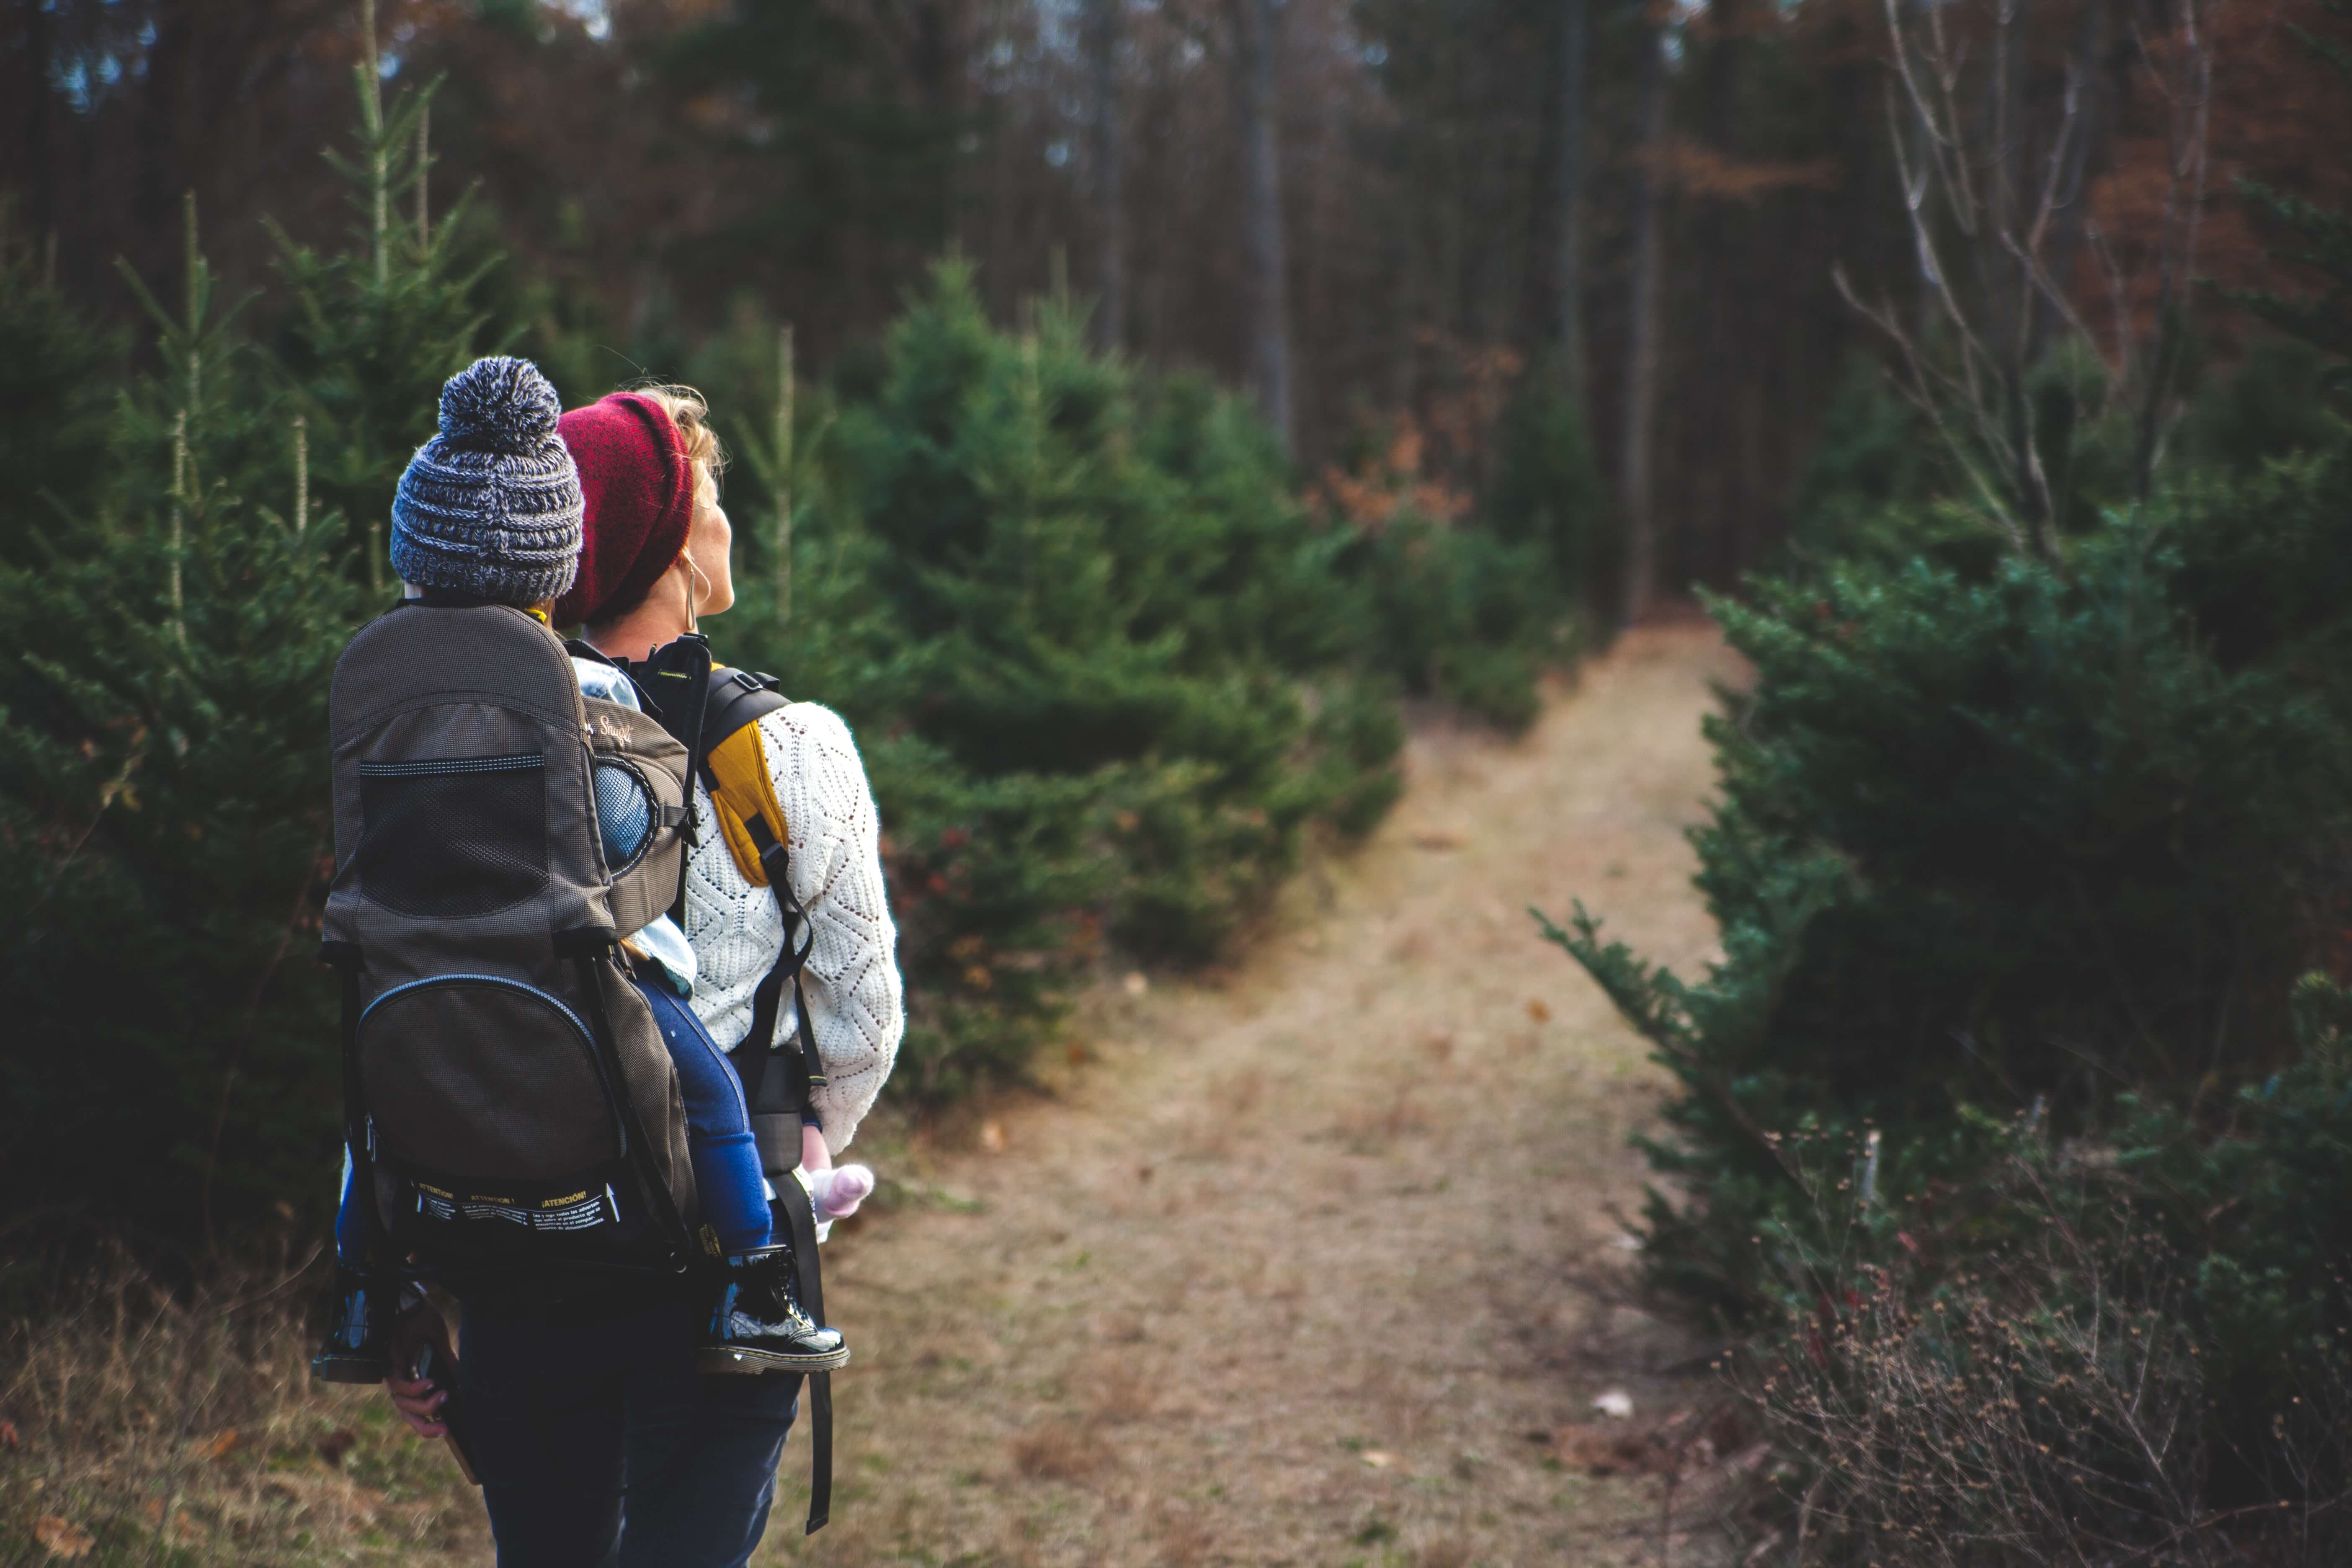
(509, 1106)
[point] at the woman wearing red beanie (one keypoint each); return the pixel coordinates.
(654, 559)
(615, 1448)
(653, 562)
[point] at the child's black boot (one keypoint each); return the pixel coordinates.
(758, 1324)
(358, 1340)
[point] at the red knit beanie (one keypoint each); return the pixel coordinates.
(638, 484)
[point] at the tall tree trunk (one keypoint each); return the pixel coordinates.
(37, 47)
(2086, 148)
(160, 141)
(1110, 226)
(1719, 268)
(934, 71)
(1635, 479)
(1256, 27)
(1568, 195)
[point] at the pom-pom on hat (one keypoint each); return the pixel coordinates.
(492, 505)
(639, 483)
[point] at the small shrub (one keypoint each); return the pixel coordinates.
(2060, 1356)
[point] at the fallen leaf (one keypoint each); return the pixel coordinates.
(1135, 983)
(1614, 1403)
(1602, 1450)
(992, 1137)
(1378, 1459)
(60, 1537)
(335, 1445)
(9, 1439)
(1538, 1010)
(1439, 840)
(153, 1511)
(218, 1445)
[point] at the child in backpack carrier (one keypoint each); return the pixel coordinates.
(490, 509)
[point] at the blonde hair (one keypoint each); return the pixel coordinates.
(692, 413)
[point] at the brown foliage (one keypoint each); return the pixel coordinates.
(2280, 117)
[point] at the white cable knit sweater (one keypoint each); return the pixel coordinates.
(738, 930)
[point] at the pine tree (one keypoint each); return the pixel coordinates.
(2323, 320)
(58, 375)
(164, 830)
(373, 330)
(1107, 675)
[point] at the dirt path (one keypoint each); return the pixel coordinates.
(1283, 1275)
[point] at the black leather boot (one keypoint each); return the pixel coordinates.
(359, 1341)
(759, 1325)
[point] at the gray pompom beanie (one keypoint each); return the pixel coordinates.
(492, 505)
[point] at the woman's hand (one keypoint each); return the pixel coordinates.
(417, 1399)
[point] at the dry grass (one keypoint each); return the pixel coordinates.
(1122, 1389)
(1060, 1451)
(160, 1425)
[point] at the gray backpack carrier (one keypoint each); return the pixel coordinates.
(508, 1098)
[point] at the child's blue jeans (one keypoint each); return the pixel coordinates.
(733, 1194)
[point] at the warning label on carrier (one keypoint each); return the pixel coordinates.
(572, 1211)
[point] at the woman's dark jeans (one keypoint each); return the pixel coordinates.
(600, 1447)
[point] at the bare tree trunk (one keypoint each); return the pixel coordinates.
(37, 48)
(1256, 31)
(1568, 195)
(2083, 150)
(1710, 510)
(1635, 479)
(1110, 229)
(161, 154)
(1994, 200)
(934, 72)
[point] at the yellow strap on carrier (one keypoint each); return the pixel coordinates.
(739, 767)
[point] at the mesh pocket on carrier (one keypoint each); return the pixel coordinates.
(625, 813)
(454, 836)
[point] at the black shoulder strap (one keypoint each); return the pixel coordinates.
(778, 1101)
(580, 648)
(800, 1218)
(738, 697)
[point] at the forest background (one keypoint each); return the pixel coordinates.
(1135, 408)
